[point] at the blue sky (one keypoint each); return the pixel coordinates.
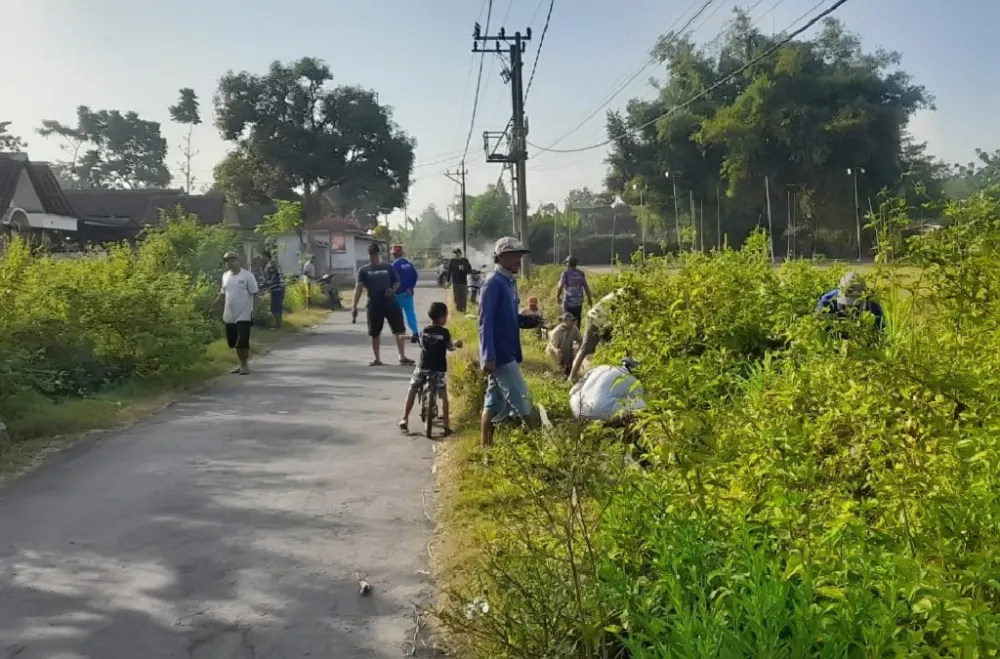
(135, 54)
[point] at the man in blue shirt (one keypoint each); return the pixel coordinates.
(500, 326)
(850, 299)
(407, 282)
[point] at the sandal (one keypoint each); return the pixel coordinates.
(375, 362)
(404, 426)
(236, 369)
(244, 371)
(446, 432)
(406, 361)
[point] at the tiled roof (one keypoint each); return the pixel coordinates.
(336, 224)
(132, 204)
(210, 209)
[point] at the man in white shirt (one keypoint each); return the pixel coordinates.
(239, 288)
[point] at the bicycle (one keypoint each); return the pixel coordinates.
(428, 408)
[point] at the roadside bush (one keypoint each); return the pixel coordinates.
(70, 327)
(807, 493)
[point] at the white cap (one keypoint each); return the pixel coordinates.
(510, 245)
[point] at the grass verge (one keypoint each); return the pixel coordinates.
(52, 425)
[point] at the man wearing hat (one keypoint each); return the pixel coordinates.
(850, 299)
(500, 326)
(458, 272)
(572, 289)
(563, 341)
(239, 289)
(381, 282)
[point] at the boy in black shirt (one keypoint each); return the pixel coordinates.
(432, 369)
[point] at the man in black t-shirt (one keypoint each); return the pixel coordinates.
(381, 282)
(458, 271)
(432, 370)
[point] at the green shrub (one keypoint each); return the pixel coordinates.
(72, 326)
(807, 493)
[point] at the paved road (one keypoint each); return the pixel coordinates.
(231, 525)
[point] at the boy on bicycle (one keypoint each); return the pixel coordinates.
(432, 368)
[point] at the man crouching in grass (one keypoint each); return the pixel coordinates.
(239, 289)
(500, 327)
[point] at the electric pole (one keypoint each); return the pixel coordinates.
(459, 177)
(516, 132)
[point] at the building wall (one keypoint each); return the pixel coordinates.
(25, 196)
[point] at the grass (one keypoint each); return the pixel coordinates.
(53, 425)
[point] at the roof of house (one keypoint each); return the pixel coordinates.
(210, 208)
(46, 186)
(337, 224)
(143, 207)
(249, 216)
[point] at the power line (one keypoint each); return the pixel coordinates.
(538, 53)
(636, 74)
(443, 158)
(770, 51)
(475, 102)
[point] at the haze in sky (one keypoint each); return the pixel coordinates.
(136, 54)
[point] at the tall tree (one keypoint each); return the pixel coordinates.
(318, 137)
(185, 112)
(490, 213)
(112, 150)
(802, 117)
(9, 141)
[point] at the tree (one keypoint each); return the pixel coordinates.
(801, 117)
(112, 150)
(286, 219)
(9, 141)
(245, 178)
(293, 124)
(490, 213)
(185, 112)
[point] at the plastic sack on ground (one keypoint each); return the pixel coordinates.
(604, 393)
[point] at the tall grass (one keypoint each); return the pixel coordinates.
(807, 489)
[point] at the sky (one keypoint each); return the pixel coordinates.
(136, 54)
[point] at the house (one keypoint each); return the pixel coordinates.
(123, 214)
(339, 244)
(32, 203)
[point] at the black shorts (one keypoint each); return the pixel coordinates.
(385, 311)
(238, 334)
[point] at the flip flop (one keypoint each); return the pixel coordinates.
(406, 362)
(244, 371)
(404, 426)
(375, 362)
(235, 370)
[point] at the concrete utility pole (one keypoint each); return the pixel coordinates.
(517, 130)
(459, 177)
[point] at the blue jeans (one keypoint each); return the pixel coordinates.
(507, 385)
(405, 302)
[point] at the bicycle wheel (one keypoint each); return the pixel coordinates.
(430, 411)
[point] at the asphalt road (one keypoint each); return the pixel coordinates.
(231, 525)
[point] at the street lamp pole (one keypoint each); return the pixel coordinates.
(677, 212)
(857, 205)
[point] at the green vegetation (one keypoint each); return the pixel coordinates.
(802, 493)
(79, 337)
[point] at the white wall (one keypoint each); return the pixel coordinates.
(288, 254)
(24, 195)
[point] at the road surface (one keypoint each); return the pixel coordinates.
(231, 525)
